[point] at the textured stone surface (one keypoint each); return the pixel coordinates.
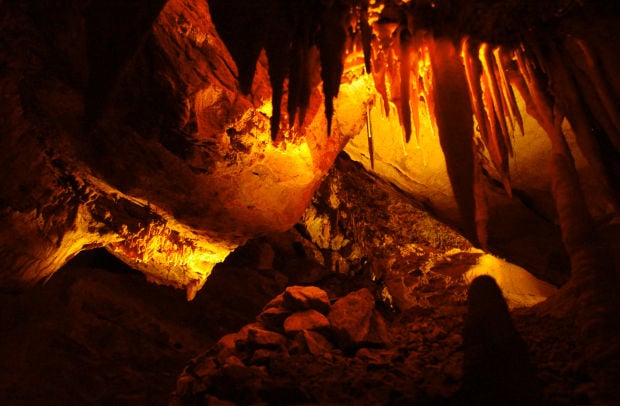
(351, 316)
(260, 338)
(150, 150)
(306, 297)
(315, 343)
(273, 318)
(305, 320)
(422, 363)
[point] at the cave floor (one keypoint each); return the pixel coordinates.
(98, 333)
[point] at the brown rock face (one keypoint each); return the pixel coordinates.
(351, 318)
(305, 320)
(306, 297)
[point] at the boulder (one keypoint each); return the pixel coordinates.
(306, 297)
(305, 320)
(261, 338)
(313, 342)
(272, 318)
(350, 318)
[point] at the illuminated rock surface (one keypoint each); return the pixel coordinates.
(168, 165)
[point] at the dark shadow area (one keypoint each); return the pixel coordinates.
(98, 333)
(455, 122)
(496, 366)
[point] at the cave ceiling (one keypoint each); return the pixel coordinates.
(171, 132)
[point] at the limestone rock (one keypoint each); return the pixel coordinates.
(272, 318)
(305, 320)
(276, 302)
(315, 343)
(378, 334)
(260, 338)
(350, 318)
(262, 356)
(227, 345)
(306, 297)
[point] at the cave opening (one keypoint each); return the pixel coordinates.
(316, 202)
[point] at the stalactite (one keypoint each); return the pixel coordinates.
(371, 147)
(496, 143)
(332, 38)
(493, 90)
(455, 122)
(601, 84)
(418, 42)
(595, 88)
(415, 110)
(405, 81)
(378, 76)
(382, 45)
(366, 35)
(251, 21)
(278, 52)
(299, 90)
(426, 80)
(507, 93)
(505, 117)
(472, 72)
(581, 119)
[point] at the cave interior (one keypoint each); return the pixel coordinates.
(223, 202)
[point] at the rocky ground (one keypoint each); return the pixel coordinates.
(417, 357)
(364, 302)
(99, 333)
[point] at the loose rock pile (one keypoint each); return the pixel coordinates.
(300, 321)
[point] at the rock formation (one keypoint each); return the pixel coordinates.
(171, 132)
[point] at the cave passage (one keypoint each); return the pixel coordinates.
(344, 201)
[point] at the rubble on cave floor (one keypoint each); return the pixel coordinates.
(109, 336)
(373, 356)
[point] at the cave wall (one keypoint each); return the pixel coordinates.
(126, 128)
